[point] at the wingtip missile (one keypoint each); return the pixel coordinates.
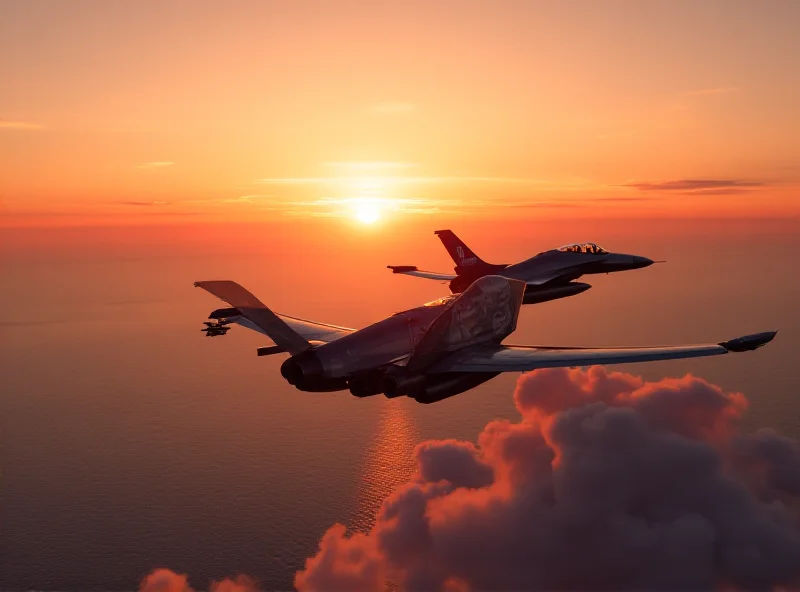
(749, 342)
(401, 268)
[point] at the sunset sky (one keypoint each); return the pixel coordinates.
(299, 147)
(153, 111)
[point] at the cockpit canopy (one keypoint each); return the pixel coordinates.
(590, 248)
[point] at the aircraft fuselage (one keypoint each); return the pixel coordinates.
(568, 266)
(550, 275)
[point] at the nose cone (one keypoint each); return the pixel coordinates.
(622, 262)
(639, 262)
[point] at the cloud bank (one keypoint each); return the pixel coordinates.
(606, 482)
(698, 186)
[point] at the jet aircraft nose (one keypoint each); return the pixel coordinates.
(639, 262)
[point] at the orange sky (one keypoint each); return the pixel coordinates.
(146, 111)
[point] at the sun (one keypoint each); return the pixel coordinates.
(367, 199)
(367, 213)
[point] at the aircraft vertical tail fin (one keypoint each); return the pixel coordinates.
(486, 311)
(463, 256)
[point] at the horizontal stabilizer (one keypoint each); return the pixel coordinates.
(402, 268)
(416, 272)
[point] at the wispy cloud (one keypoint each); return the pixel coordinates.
(334, 207)
(296, 180)
(343, 207)
(566, 203)
(348, 188)
(697, 186)
(20, 125)
(362, 166)
(350, 204)
(386, 186)
(392, 108)
(421, 180)
(720, 191)
(156, 164)
(396, 173)
(243, 199)
(616, 199)
(718, 90)
(145, 203)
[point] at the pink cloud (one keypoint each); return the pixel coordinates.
(343, 563)
(164, 580)
(607, 481)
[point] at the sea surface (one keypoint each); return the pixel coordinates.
(130, 441)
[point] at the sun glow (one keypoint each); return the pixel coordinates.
(367, 213)
(368, 197)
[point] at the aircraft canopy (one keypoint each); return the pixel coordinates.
(584, 248)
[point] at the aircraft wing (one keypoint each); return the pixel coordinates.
(516, 358)
(250, 312)
(412, 270)
(309, 330)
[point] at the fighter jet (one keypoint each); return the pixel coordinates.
(549, 275)
(430, 352)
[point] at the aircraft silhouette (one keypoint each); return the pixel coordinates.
(430, 352)
(548, 276)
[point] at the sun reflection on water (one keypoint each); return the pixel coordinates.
(387, 463)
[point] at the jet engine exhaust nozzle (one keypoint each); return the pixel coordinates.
(302, 368)
(399, 384)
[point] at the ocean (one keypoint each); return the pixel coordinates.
(130, 441)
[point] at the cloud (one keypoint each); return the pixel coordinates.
(616, 199)
(369, 166)
(711, 91)
(384, 185)
(354, 170)
(333, 207)
(720, 191)
(573, 203)
(145, 203)
(698, 186)
(253, 197)
(543, 204)
(606, 482)
(158, 164)
(391, 108)
(378, 171)
(20, 125)
(164, 580)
